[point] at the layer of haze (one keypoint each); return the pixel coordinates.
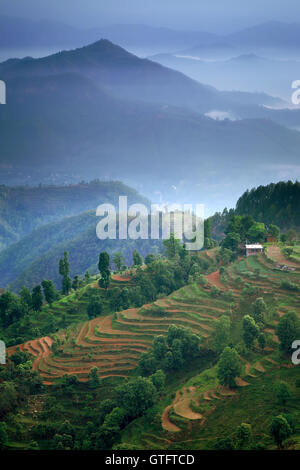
(223, 16)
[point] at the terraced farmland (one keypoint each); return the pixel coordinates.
(114, 343)
(198, 399)
(194, 403)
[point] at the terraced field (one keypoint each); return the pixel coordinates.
(198, 399)
(114, 343)
(274, 252)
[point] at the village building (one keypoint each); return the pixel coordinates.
(253, 249)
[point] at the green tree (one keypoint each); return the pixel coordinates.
(137, 258)
(75, 283)
(94, 380)
(125, 298)
(64, 271)
(37, 298)
(231, 241)
(49, 291)
(150, 258)
(229, 367)
(291, 234)
(104, 269)
(168, 362)
(8, 397)
(274, 231)
(261, 340)
(136, 396)
(282, 392)
(115, 418)
(257, 232)
(160, 347)
(25, 296)
(243, 435)
(118, 260)
(115, 298)
(259, 310)
(148, 363)
(159, 380)
(94, 308)
(177, 351)
(250, 331)
(280, 430)
(288, 330)
(11, 309)
(172, 247)
(222, 333)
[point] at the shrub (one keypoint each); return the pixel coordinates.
(288, 285)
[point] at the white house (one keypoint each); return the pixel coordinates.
(253, 249)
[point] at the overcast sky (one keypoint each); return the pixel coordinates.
(210, 15)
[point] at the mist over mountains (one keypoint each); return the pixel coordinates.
(107, 113)
(20, 32)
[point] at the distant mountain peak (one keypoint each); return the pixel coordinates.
(105, 48)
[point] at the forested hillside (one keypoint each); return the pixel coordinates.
(83, 249)
(274, 204)
(277, 204)
(22, 209)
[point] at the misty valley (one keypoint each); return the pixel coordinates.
(149, 230)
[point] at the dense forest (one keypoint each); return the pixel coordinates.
(273, 204)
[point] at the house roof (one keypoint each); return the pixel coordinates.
(257, 246)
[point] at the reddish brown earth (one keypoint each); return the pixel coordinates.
(166, 423)
(214, 279)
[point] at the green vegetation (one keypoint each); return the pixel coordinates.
(179, 353)
(274, 204)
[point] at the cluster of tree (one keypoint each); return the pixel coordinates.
(209, 242)
(229, 367)
(17, 382)
(64, 271)
(128, 401)
(253, 324)
(280, 429)
(273, 204)
(241, 439)
(170, 352)
(162, 276)
(288, 330)
(242, 228)
(13, 308)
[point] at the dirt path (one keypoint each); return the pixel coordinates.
(275, 254)
(166, 423)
